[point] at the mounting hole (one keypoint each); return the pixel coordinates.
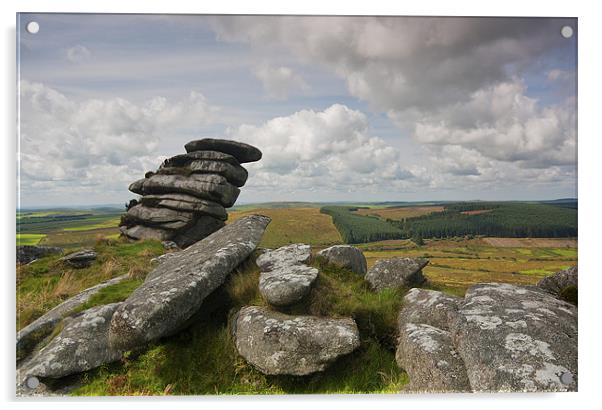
(566, 378)
(32, 382)
(566, 31)
(32, 27)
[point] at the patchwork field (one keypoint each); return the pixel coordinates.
(399, 213)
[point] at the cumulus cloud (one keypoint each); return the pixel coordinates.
(449, 81)
(278, 82)
(78, 54)
(70, 145)
(328, 150)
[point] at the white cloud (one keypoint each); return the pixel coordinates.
(67, 145)
(278, 82)
(78, 54)
(449, 81)
(330, 150)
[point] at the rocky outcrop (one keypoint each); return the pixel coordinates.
(279, 344)
(36, 331)
(80, 259)
(425, 347)
(81, 345)
(347, 257)
(174, 291)
(558, 283)
(185, 199)
(285, 279)
(396, 272)
(506, 337)
(27, 253)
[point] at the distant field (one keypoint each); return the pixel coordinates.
(532, 242)
(294, 225)
(29, 238)
(399, 213)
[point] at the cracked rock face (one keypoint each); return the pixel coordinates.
(174, 291)
(285, 278)
(81, 345)
(185, 199)
(514, 338)
(396, 272)
(36, 331)
(347, 257)
(279, 344)
(559, 281)
(500, 337)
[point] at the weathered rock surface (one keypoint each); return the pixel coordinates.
(27, 253)
(176, 288)
(431, 307)
(186, 203)
(163, 217)
(235, 174)
(279, 344)
(36, 331)
(515, 338)
(396, 272)
(185, 199)
(285, 278)
(81, 345)
(425, 347)
(559, 281)
(428, 355)
(347, 257)
(286, 285)
(294, 254)
(242, 152)
(506, 337)
(182, 160)
(204, 186)
(80, 259)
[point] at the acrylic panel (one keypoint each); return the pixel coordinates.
(295, 204)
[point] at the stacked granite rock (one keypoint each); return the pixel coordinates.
(185, 199)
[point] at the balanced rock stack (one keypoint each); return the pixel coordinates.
(185, 199)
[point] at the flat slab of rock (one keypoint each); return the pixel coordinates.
(294, 254)
(396, 272)
(187, 203)
(347, 257)
(80, 259)
(515, 338)
(235, 174)
(279, 344)
(205, 186)
(182, 160)
(559, 281)
(28, 253)
(81, 345)
(174, 291)
(241, 151)
(286, 285)
(36, 331)
(141, 232)
(285, 278)
(428, 355)
(165, 218)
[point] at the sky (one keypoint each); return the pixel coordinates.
(343, 108)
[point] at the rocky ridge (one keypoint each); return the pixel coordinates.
(185, 199)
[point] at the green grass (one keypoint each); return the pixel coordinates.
(111, 294)
(29, 238)
(204, 360)
(110, 223)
